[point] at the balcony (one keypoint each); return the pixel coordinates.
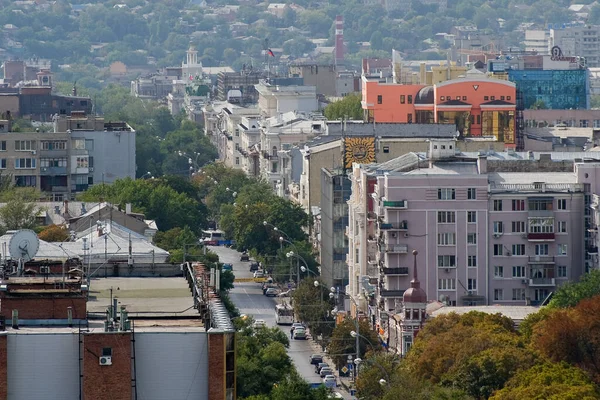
(540, 237)
(44, 171)
(391, 293)
(592, 250)
(395, 248)
(400, 271)
(402, 204)
(394, 226)
(541, 260)
(542, 282)
(540, 213)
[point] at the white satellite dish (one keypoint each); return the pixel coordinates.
(24, 245)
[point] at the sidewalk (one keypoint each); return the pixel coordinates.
(345, 383)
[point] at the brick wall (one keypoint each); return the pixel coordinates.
(107, 382)
(216, 366)
(43, 307)
(3, 367)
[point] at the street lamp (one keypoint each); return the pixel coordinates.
(382, 382)
(276, 229)
(305, 269)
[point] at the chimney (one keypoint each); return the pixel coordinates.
(482, 164)
(422, 74)
(339, 40)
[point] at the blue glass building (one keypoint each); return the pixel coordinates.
(558, 89)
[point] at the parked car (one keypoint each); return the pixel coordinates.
(325, 371)
(271, 292)
(330, 381)
(227, 267)
(253, 266)
(299, 334)
(336, 395)
(319, 366)
(315, 359)
(259, 273)
(244, 257)
(298, 325)
(260, 323)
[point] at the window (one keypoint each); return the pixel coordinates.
(518, 205)
(442, 98)
(82, 162)
(562, 204)
(541, 225)
(78, 144)
(410, 99)
(2, 163)
(518, 294)
(446, 239)
(356, 255)
(498, 227)
(447, 284)
(237, 131)
(561, 249)
(471, 217)
(471, 194)
(446, 194)
(53, 145)
(471, 238)
(540, 205)
(386, 149)
(402, 99)
(24, 145)
(478, 119)
(562, 271)
(486, 98)
(497, 249)
(237, 161)
(446, 261)
(497, 205)
(493, 98)
(53, 162)
(25, 163)
(518, 271)
(446, 217)
(472, 284)
(501, 97)
(498, 294)
(107, 352)
(508, 98)
(471, 261)
(518, 226)
(561, 226)
(409, 118)
(542, 249)
(3, 145)
(464, 98)
(274, 167)
(89, 144)
(25, 181)
(379, 99)
(498, 271)
(518, 249)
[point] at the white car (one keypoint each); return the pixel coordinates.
(260, 323)
(330, 381)
(336, 395)
(259, 274)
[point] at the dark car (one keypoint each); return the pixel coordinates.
(253, 267)
(244, 257)
(227, 267)
(315, 359)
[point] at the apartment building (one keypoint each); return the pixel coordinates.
(494, 228)
(281, 95)
(577, 41)
(80, 152)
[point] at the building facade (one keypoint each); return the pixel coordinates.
(503, 228)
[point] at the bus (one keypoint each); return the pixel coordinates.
(284, 314)
(214, 238)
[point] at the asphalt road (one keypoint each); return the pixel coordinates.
(248, 298)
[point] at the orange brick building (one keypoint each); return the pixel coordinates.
(479, 106)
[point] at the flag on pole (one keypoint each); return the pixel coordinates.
(270, 52)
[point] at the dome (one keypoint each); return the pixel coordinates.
(425, 96)
(415, 294)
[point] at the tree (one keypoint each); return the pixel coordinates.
(548, 381)
(349, 108)
(343, 343)
(293, 387)
(175, 238)
(20, 210)
(54, 233)
(571, 293)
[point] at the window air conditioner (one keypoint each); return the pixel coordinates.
(105, 360)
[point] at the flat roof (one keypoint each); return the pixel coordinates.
(144, 297)
(516, 313)
(97, 326)
(530, 177)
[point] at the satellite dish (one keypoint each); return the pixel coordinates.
(24, 245)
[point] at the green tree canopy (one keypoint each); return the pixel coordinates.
(20, 210)
(343, 343)
(349, 108)
(571, 293)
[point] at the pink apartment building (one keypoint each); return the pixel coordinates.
(499, 228)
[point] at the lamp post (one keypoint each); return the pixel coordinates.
(302, 268)
(382, 381)
(149, 174)
(281, 240)
(276, 229)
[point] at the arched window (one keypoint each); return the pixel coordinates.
(274, 151)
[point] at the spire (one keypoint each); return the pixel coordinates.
(415, 281)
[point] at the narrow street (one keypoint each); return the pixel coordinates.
(248, 298)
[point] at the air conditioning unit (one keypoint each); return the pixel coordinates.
(406, 235)
(91, 169)
(44, 269)
(33, 152)
(524, 281)
(105, 360)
